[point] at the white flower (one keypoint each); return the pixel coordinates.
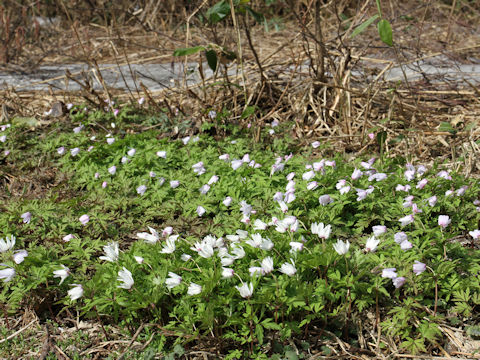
(238, 252)
(475, 234)
(174, 184)
(236, 164)
(110, 140)
(173, 280)
(316, 144)
(227, 260)
(76, 292)
(224, 157)
(266, 244)
(259, 225)
(283, 206)
(111, 252)
(185, 140)
(389, 273)
(204, 249)
(357, 173)
(7, 274)
(61, 150)
(227, 273)
(131, 152)
(141, 190)
(246, 290)
(26, 217)
(19, 256)
(255, 270)
(74, 151)
(7, 244)
(62, 274)
(138, 259)
(201, 210)
(169, 247)
(309, 175)
(125, 276)
(213, 180)
(68, 237)
(185, 257)
(227, 202)
(404, 221)
(379, 230)
(162, 154)
(371, 244)
(112, 170)
(267, 265)
(312, 185)
(341, 247)
(321, 230)
(400, 237)
(194, 289)
(167, 231)
(443, 221)
(204, 189)
(242, 234)
(151, 238)
(198, 168)
(288, 268)
(255, 241)
(405, 245)
(245, 208)
(296, 246)
(84, 219)
(325, 200)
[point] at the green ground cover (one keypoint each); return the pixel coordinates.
(223, 240)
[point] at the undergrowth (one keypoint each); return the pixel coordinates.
(240, 244)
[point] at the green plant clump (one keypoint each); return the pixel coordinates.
(247, 243)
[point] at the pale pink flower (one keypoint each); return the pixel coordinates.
(421, 184)
(325, 200)
(398, 282)
(419, 267)
(406, 220)
(309, 175)
(227, 201)
(443, 221)
(141, 190)
(19, 256)
(27, 216)
(201, 210)
(379, 230)
(357, 173)
(84, 219)
(389, 273)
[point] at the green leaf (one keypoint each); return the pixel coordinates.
(259, 18)
(249, 110)
(381, 137)
(188, 51)
(291, 355)
(379, 8)
(385, 31)
(361, 28)
(218, 12)
(446, 126)
(212, 60)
